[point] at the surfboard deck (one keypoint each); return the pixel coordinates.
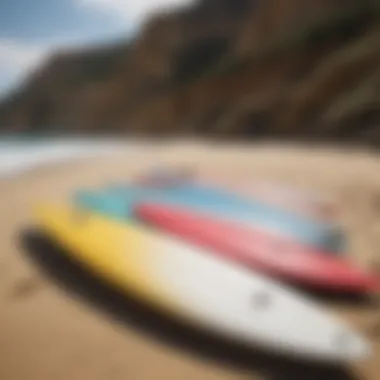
(289, 198)
(192, 284)
(260, 250)
(118, 203)
(216, 195)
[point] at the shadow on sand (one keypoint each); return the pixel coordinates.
(71, 277)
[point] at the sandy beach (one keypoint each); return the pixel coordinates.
(47, 332)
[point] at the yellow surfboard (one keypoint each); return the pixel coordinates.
(119, 253)
(194, 284)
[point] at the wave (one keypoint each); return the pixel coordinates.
(17, 156)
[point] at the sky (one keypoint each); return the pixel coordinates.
(29, 29)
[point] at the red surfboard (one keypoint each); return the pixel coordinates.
(260, 250)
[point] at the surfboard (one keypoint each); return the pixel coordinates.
(260, 250)
(193, 285)
(216, 194)
(288, 197)
(118, 203)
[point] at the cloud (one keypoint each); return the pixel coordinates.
(19, 58)
(132, 10)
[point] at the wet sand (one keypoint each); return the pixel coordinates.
(48, 331)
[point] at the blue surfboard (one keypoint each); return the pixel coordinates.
(118, 202)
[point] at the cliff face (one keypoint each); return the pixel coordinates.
(251, 67)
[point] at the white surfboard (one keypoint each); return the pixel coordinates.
(196, 285)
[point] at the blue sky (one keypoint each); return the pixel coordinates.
(29, 29)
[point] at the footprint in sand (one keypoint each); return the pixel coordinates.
(25, 288)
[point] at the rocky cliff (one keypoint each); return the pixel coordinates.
(220, 67)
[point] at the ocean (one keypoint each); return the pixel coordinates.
(18, 155)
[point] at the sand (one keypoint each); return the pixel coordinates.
(47, 332)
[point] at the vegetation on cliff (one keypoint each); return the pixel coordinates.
(221, 67)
